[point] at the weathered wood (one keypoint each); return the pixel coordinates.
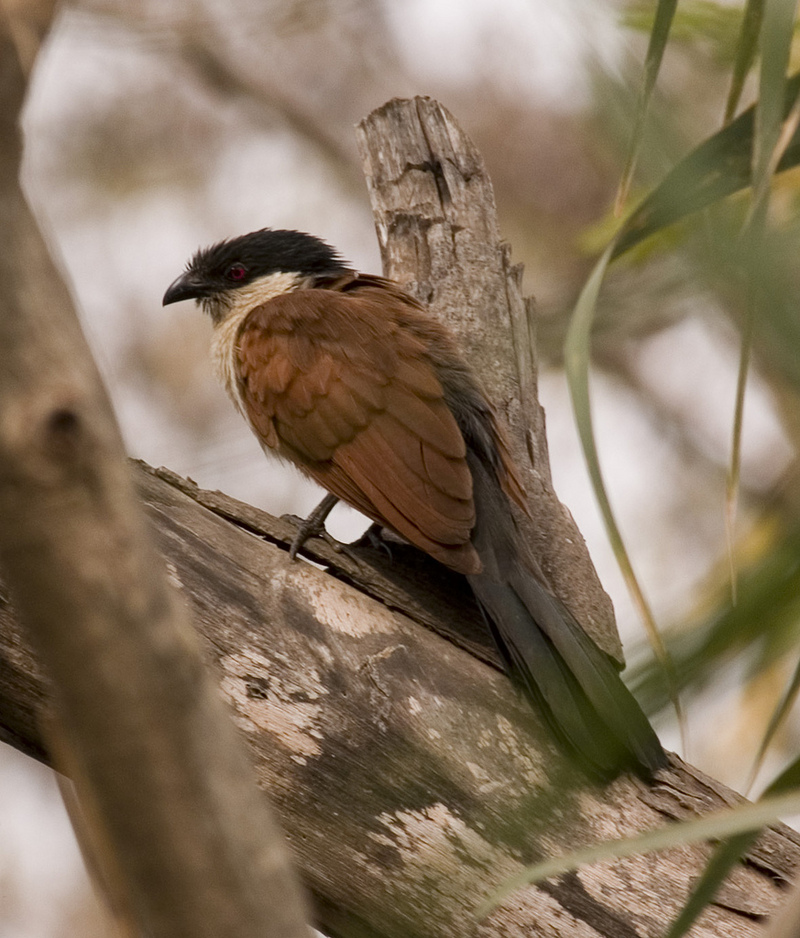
(437, 227)
(410, 777)
(186, 842)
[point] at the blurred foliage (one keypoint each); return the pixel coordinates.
(756, 614)
(713, 28)
(685, 216)
(764, 622)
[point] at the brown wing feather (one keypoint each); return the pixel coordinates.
(444, 518)
(336, 385)
(411, 316)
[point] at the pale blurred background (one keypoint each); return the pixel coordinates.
(156, 127)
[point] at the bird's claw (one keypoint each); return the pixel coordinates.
(374, 537)
(314, 526)
(307, 528)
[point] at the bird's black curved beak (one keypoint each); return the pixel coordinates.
(186, 287)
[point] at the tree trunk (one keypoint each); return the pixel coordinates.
(436, 222)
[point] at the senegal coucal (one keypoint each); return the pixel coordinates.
(350, 379)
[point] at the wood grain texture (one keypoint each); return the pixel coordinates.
(410, 777)
(186, 842)
(437, 227)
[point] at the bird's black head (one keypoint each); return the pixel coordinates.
(218, 271)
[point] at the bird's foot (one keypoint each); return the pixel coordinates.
(314, 526)
(374, 537)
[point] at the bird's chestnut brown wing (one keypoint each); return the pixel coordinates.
(337, 385)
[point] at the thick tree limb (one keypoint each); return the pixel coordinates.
(410, 777)
(185, 839)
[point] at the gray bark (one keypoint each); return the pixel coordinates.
(186, 842)
(411, 779)
(437, 227)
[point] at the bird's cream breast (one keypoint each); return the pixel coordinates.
(225, 354)
(240, 303)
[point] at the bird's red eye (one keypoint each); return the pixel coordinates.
(236, 272)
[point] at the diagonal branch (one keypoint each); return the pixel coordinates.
(410, 778)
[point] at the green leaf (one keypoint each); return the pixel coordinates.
(698, 23)
(725, 823)
(576, 363)
(776, 721)
(745, 53)
(734, 468)
(718, 167)
(768, 145)
(655, 53)
(771, 109)
(788, 779)
(726, 856)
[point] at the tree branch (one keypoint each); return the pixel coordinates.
(184, 838)
(437, 227)
(410, 777)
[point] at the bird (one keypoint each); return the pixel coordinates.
(354, 382)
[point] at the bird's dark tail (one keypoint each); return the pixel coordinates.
(556, 664)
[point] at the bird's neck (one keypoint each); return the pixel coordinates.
(228, 313)
(240, 300)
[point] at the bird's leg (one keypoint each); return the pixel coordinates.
(374, 537)
(313, 526)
